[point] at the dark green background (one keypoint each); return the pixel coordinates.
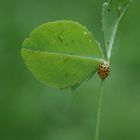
(31, 111)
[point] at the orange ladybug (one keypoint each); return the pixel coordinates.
(103, 69)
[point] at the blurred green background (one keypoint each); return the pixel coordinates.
(31, 111)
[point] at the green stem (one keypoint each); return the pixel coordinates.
(97, 131)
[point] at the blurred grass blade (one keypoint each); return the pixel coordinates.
(61, 54)
(112, 13)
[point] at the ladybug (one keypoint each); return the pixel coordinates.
(103, 69)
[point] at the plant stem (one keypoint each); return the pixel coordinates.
(97, 130)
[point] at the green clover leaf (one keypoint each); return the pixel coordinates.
(61, 54)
